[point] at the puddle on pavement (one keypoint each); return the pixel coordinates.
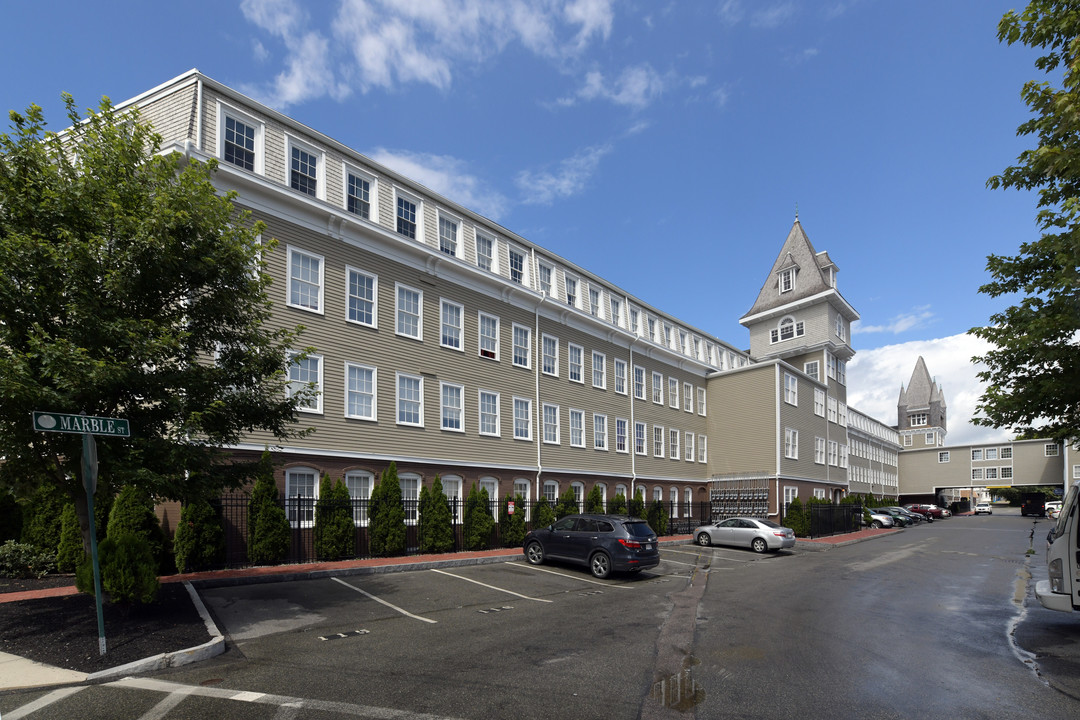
(679, 691)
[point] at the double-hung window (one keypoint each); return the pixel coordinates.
(571, 291)
(407, 217)
(819, 450)
(485, 253)
(620, 376)
(358, 191)
(791, 389)
(410, 400)
(639, 438)
(599, 432)
(551, 424)
(305, 168)
(577, 428)
(489, 413)
(639, 382)
(688, 448)
(451, 319)
(658, 441)
(517, 266)
(550, 349)
(621, 428)
(448, 235)
(791, 443)
(688, 397)
(545, 273)
(453, 416)
(599, 370)
(819, 402)
(489, 337)
(673, 392)
(363, 289)
(702, 448)
(811, 369)
(360, 393)
(616, 310)
(576, 360)
(305, 280)
(241, 140)
(410, 319)
(301, 491)
(522, 346)
(306, 373)
(834, 453)
(658, 388)
(594, 301)
(831, 404)
(673, 443)
(522, 419)
(701, 401)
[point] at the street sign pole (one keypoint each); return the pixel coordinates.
(90, 468)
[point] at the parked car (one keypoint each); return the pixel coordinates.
(757, 534)
(1053, 509)
(881, 520)
(930, 511)
(899, 518)
(981, 508)
(602, 543)
(915, 517)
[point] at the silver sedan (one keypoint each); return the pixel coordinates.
(754, 533)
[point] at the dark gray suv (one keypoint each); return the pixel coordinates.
(603, 543)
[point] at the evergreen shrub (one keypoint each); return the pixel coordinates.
(436, 521)
(512, 527)
(386, 526)
(594, 501)
(199, 542)
(478, 520)
(23, 560)
(69, 550)
(618, 505)
(133, 513)
(658, 517)
(128, 570)
(543, 515)
(335, 531)
(268, 526)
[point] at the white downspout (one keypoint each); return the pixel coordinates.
(538, 357)
(777, 399)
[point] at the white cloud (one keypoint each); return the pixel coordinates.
(918, 317)
(387, 43)
(636, 87)
(875, 377)
(544, 187)
(447, 176)
(774, 16)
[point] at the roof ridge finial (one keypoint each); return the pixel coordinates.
(796, 211)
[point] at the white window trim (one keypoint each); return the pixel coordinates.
(616, 364)
(644, 385)
(459, 242)
(551, 271)
(349, 269)
(570, 347)
(526, 276)
(600, 440)
(289, 250)
(791, 389)
(224, 110)
(292, 496)
(443, 302)
(318, 409)
(397, 399)
(292, 141)
(419, 203)
(602, 385)
(528, 346)
(702, 402)
(791, 443)
(688, 397)
(480, 413)
(398, 287)
(348, 169)
(673, 397)
(442, 407)
(576, 281)
(479, 335)
(581, 414)
(544, 424)
(703, 448)
(543, 355)
(644, 438)
(688, 446)
(658, 388)
(943, 456)
(494, 250)
(673, 443)
(626, 436)
(663, 441)
(374, 391)
(528, 417)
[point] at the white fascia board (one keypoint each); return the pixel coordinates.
(832, 294)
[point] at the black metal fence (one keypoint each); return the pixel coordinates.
(826, 520)
(682, 518)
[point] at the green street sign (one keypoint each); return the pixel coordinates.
(67, 423)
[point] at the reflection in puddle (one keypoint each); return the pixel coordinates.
(678, 692)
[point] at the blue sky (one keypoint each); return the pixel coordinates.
(663, 145)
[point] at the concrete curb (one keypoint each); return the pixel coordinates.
(214, 646)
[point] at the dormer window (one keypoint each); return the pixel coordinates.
(787, 280)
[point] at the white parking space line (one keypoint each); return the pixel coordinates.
(161, 710)
(576, 577)
(713, 554)
(489, 587)
(383, 602)
(43, 702)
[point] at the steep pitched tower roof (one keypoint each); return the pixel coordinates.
(923, 396)
(802, 285)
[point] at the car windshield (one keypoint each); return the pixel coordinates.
(1066, 511)
(639, 529)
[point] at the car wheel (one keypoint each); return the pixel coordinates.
(534, 553)
(600, 565)
(759, 545)
(704, 540)
(876, 524)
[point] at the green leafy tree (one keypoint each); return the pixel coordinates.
(69, 550)
(436, 522)
(41, 518)
(133, 513)
(386, 528)
(1032, 373)
(567, 504)
(594, 501)
(199, 542)
(478, 520)
(127, 291)
(543, 514)
(268, 526)
(618, 505)
(335, 532)
(512, 527)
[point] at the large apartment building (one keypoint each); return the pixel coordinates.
(450, 345)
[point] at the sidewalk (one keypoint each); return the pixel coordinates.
(17, 672)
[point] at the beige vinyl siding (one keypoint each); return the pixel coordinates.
(809, 426)
(1032, 467)
(742, 421)
(173, 116)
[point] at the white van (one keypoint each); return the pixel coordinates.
(1062, 590)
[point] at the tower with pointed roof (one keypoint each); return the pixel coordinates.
(801, 317)
(921, 411)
